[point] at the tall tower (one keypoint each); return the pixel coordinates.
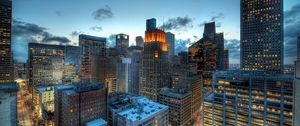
(92, 52)
(262, 35)
(155, 71)
(6, 64)
(150, 24)
(122, 43)
(170, 38)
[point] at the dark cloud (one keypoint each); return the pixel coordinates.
(291, 32)
(75, 33)
(103, 13)
(96, 28)
(58, 13)
(177, 23)
(214, 18)
(23, 33)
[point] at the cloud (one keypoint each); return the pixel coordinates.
(103, 13)
(75, 33)
(233, 45)
(177, 23)
(58, 13)
(111, 41)
(291, 32)
(96, 28)
(24, 33)
(181, 45)
(214, 17)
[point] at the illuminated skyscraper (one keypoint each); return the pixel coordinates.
(6, 59)
(139, 41)
(155, 71)
(170, 38)
(208, 53)
(262, 35)
(93, 53)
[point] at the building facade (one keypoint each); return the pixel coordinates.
(262, 35)
(93, 53)
(139, 41)
(179, 102)
(296, 111)
(249, 98)
(155, 71)
(122, 43)
(170, 38)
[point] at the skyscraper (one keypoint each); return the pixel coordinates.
(6, 59)
(150, 24)
(139, 41)
(208, 53)
(298, 48)
(296, 107)
(93, 53)
(8, 88)
(262, 35)
(155, 71)
(122, 43)
(123, 74)
(170, 38)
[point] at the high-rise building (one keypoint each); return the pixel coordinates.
(46, 64)
(170, 38)
(134, 54)
(133, 110)
(85, 103)
(93, 53)
(6, 59)
(208, 53)
(123, 74)
(262, 35)
(122, 43)
(249, 98)
(139, 41)
(296, 107)
(155, 71)
(150, 24)
(298, 48)
(8, 88)
(226, 59)
(179, 102)
(72, 64)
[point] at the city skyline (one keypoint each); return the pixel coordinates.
(62, 22)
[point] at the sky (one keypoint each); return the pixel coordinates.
(61, 21)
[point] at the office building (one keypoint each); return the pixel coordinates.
(46, 64)
(262, 35)
(208, 53)
(226, 59)
(139, 41)
(155, 71)
(138, 111)
(85, 103)
(6, 58)
(135, 54)
(93, 53)
(179, 102)
(249, 98)
(123, 74)
(122, 43)
(170, 38)
(296, 111)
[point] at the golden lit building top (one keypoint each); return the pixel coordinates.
(156, 35)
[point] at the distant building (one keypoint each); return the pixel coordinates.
(296, 107)
(298, 48)
(84, 103)
(208, 53)
(123, 74)
(249, 98)
(8, 104)
(150, 24)
(179, 102)
(139, 41)
(155, 71)
(262, 35)
(170, 38)
(130, 110)
(226, 60)
(72, 55)
(122, 43)
(93, 53)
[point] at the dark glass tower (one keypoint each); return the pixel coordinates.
(262, 35)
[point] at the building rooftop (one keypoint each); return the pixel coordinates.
(172, 92)
(9, 87)
(97, 122)
(89, 37)
(142, 109)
